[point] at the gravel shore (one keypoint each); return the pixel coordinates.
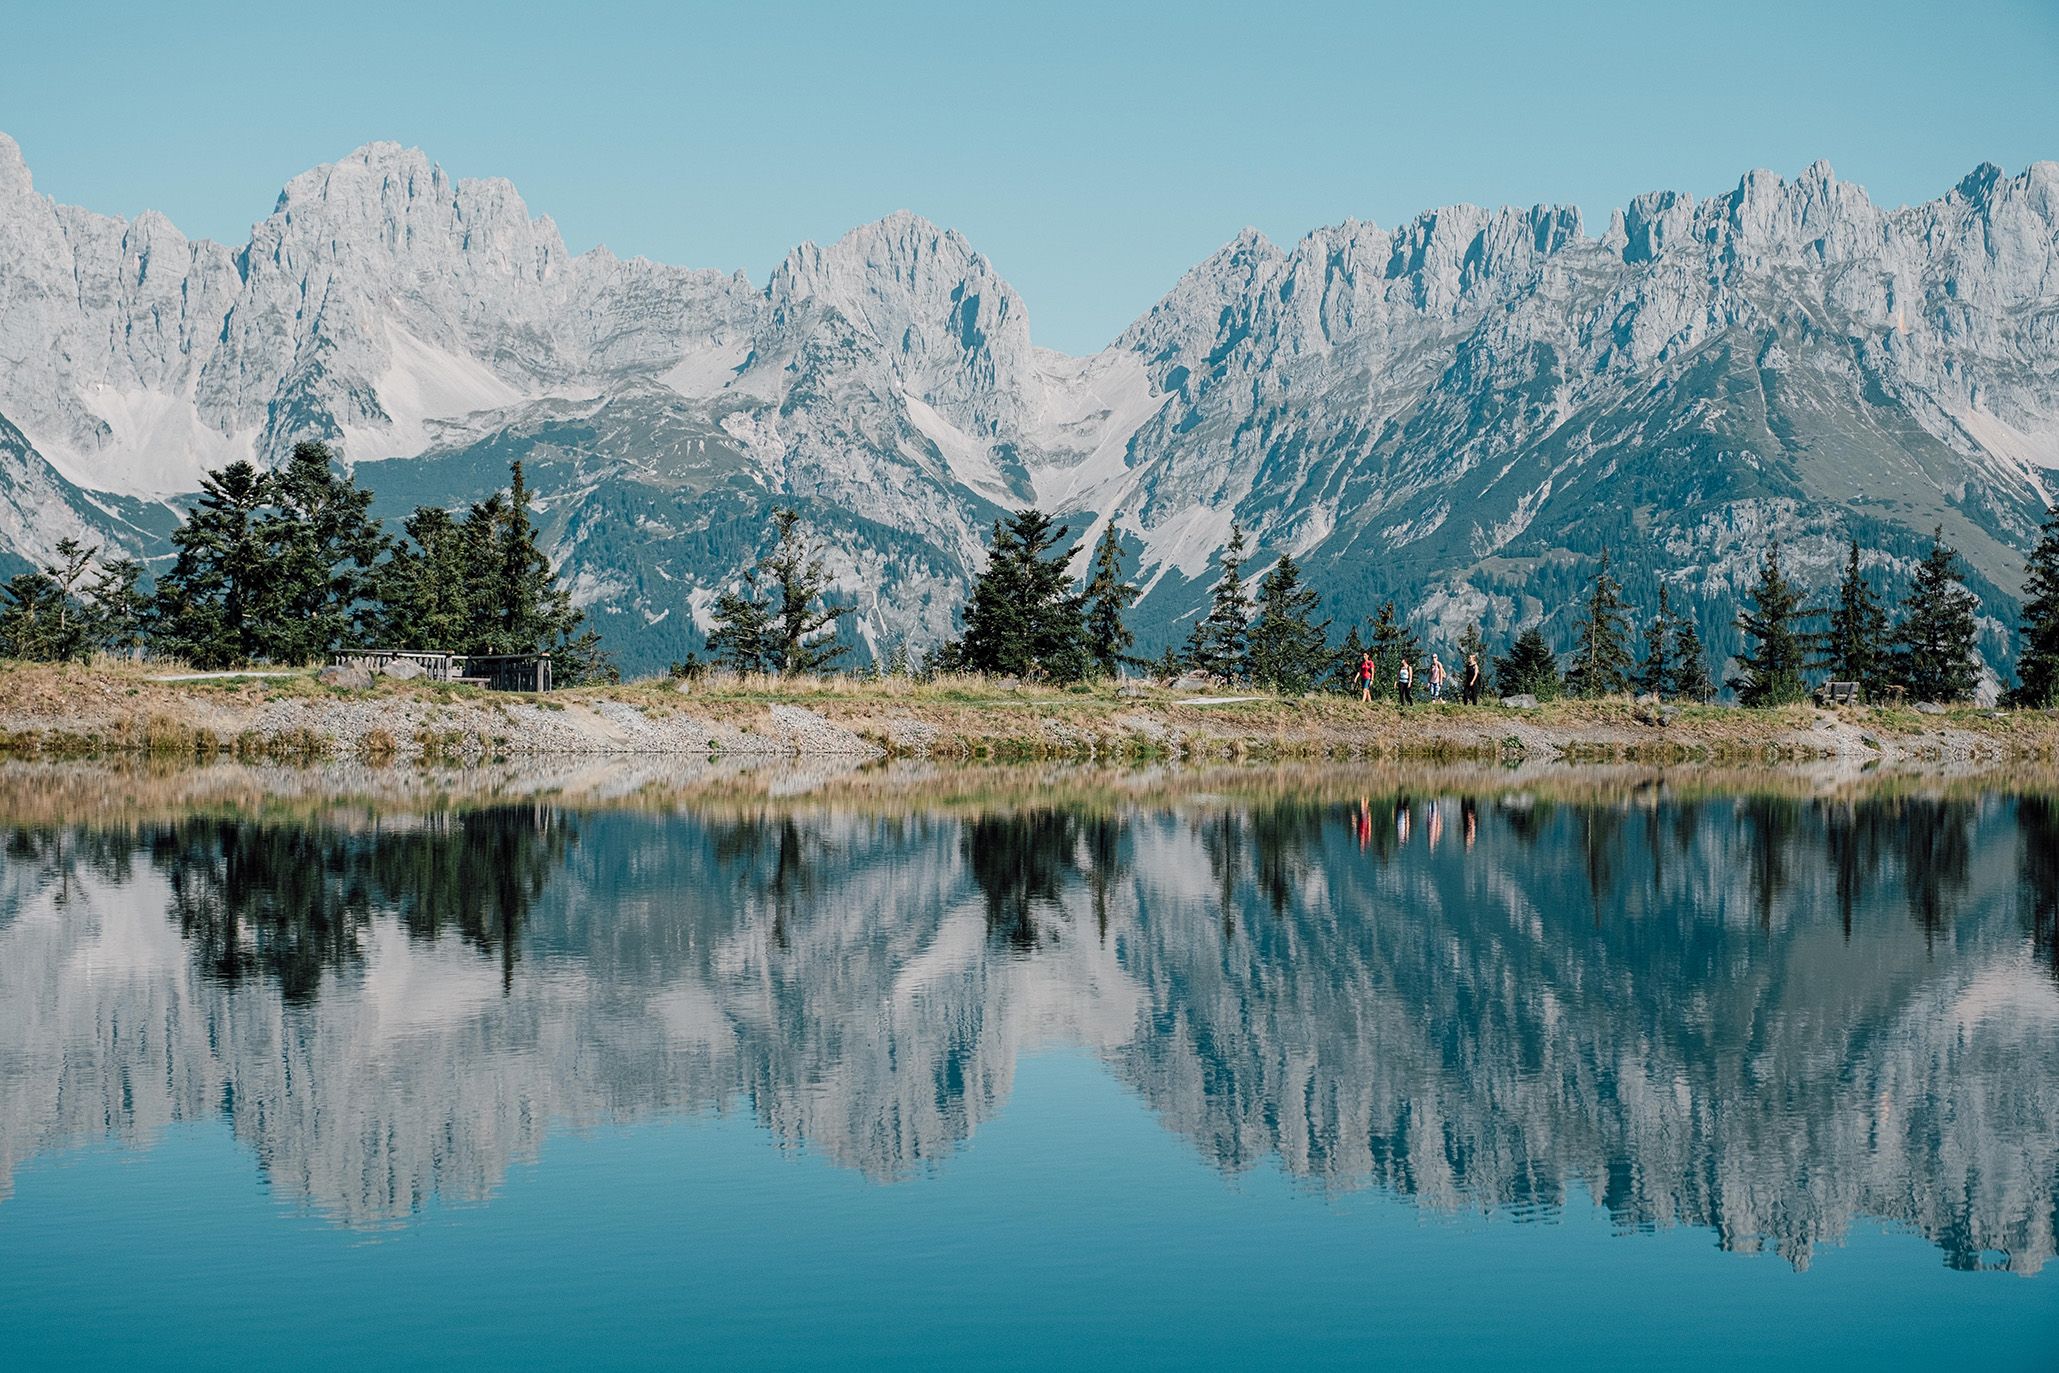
(70, 709)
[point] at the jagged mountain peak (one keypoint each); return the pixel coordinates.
(953, 331)
(394, 198)
(900, 253)
(362, 171)
(14, 169)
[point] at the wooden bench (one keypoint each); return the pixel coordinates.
(1838, 693)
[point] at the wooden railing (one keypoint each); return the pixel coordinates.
(444, 667)
(496, 672)
(510, 671)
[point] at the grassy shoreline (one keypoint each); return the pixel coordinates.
(70, 710)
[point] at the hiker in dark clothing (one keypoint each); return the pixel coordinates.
(1405, 683)
(1470, 687)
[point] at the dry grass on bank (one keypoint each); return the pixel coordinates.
(128, 707)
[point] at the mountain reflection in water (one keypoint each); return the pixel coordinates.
(1765, 1016)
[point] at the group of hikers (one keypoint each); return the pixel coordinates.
(1405, 679)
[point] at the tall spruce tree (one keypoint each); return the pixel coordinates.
(1109, 597)
(1023, 619)
(1288, 648)
(1655, 673)
(1601, 653)
(209, 606)
(1219, 644)
(1937, 636)
(531, 609)
(1690, 679)
(1394, 643)
(526, 600)
(1854, 644)
(28, 612)
(1776, 652)
(1529, 668)
(426, 594)
(323, 545)
(2037, 660)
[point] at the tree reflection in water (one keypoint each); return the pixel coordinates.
(770, 857)
(1936, 848)
(1761, 1015)
(291, 902)
(1020, 862)
(2037, 819)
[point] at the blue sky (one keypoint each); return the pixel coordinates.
(1093, 150)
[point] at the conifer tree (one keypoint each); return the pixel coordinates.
(785, 634)
(533, 610)
(426, 593)
(1219, 643)
(801, 609)
(119, 608)
(271, 566)
(1529, 668)
(1937, 635)
(1774, 655)
(1023, 619)
(1854, 646)
(526, 599)
(40, 619)
(322, 546)
(1655, 674)
(1472, 644)
(209, 605)
(577, 654)
(740, 640)
(1344, 662)
(480, 585)
(2037, 662)
(54, 615)
(1288, 649)
(1601, 654)
(1690, 680)
(1393, 644)
(1109, 596)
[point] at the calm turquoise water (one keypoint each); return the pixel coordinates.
(1421, 1081)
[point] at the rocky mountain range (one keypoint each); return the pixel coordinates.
(1459, 413)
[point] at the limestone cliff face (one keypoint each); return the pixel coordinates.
(1458, 411)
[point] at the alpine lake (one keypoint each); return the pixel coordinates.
(634, 1065)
